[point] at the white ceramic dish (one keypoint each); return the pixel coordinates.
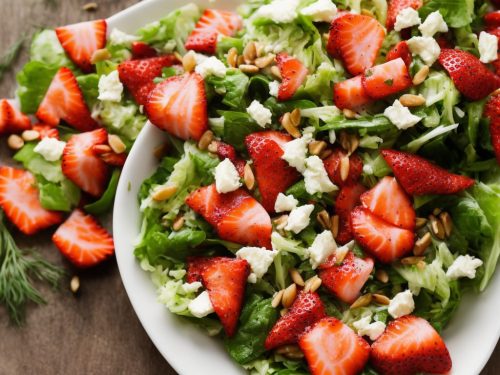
(471, 337)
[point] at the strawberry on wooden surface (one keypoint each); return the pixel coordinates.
(492, 111)
(350, 94)
(400, 50)
(386, 79)
(345, 202)
(332, 165)
(293, 75)
(396, 6)
(12, 120)
(19, 199)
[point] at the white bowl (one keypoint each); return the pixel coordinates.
(471, 337)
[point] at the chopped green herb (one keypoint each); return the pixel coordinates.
(389, 82)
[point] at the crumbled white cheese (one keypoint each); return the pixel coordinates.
(299, 219)
(227, 178)
(488, 47)
(201, 306)
(110, 87)
(211, 66)
(464, 266)
(191, 287)
(402, 304)
(321, 11)
(119, 38)
(279, 11)
(316, 178)
(401, 116)
(434, 23)
(261, 115)
(408, 17)
(425, 47)
(285, 203)
(322, 247)
(259, 259)
(295, 152)
(367, 169)
(274, 87)
(50, 148)
(364, 327)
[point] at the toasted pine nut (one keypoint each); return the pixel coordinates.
(381, 299)
(213, 147)
(232, 57)
(420, 222)
(447, 223)
(325, 153)
(335, 225)
(281, 222)
(74, 284)
(345, 140)
(436, 211)
(189, 61)
(101, 149)
(437, 227)
(247, 68)
(422, 244)
(240, 61)
(421, 75)
(248, 177)
(315, 284)
(317, 147)
(410, 261)
(205, 140)
(178, 223)
(163, 193)
(264, 61)
(353, 143)
(289, 295)
(30, 135)
(362, 301)
(295, 117)
(348, 113)
(100, 55)
(324, 219)
(116, 144)
(421, 265)
(296, 277)
(344, 167)
(382, 276)
(341, 253)
(275, 71)
(288, 126)
(178, 56)
(496, 92)
(15, 142)
(410, 100)
(160, 150)
(277, 298)
(290, 351)
(283, 311)
(250, 53)
(90, 7)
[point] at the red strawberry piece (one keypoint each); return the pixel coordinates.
(332, 166)
(388, 201)
(83, 241)
(179, 106)
(225, 280)
(273, 174)
(306, 310)
(226, 151)
(138, 75)
(496, 63)
(64, 101)
(384, 241)
(212, 23)
(419, 176)
(114, 159)
(492, 19)
(396, 6)
(346, 280)
(492, 111)
(410, 345)
(20, 202)
(444, 42)
(293, 75)
(82, 166)
(356, 39)
(470, 76)
(81, 40)
(347, 199)
(141, 50)
(332, 348)
(236, 216)
(387, 79)
(400, 50)
(46, 131)
(195, 267)
(11, 119)
(350, 94)
(496, 3)
(495, 31)
(331, 47)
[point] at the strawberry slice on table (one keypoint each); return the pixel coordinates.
(386, 79)
(332, 348)
(345, 202)
(389, 201)
(273, 174)
(83, 241)
(212, 23)
(236, 216)
(11, 119)
(141, 50)
(410, 345)
(293, 75)
(384, 241)
(396, 6)
(347, 279)
(19, 200)
(64, 101)
(419, 176)
(470, 76)
(46, 131)
(81, 40)
(226, 151)
(357, 40)
(332, 166)
(178, 105)
(492, 111)
(225, 280)
(400, 50)
(306, 310)
(138, 75)
(82, 166)
(350, 94)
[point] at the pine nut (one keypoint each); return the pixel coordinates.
(317, 147)
(283, 312)
(366, 12)
(341, 253)
(447, 223)
(362, 301)
(178, 56)
(353, 143)
(249, 69)
(160, 150)
(163, 193)
(101, 149)
(232, 57)
(410, 100)
(325, 153)
(281, 222)
(250, 53)
(15, 142)
(295, 117)
(116, 144)
(264, 61)
(288, 126)
(178, 224)
(74, 284)
(411, 261)
(30, 135)
(248, 177)
(436, 211)
(422, 244)
(240, 61)
(335, 225)
(421, 265)
(348, 113)
(90, 7)
(275, 71)
(421, 75)
(381, 299)
(277, 298)
(290, 351)
(345, 140)
(296, 277)
(189, 61)
(382, 276)
(289, 295)
(315, 284)
(420, 222)
(324, 219)
(437, 227)
(496, 92)
(344, 167)
(205, 140)
(213, 147)
(100, 55)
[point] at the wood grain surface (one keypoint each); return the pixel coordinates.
(95, 332)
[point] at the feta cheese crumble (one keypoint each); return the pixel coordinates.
(201, 306)
(295, 152)
(50, 148)
(299, 218)
(110, 87)
(364, 327)
(227, 178)
(191, 287)
(259, 259)
(401, 116)
(322, 247)
(274, 87)
(402, 304)
(261, 115)
(488, 47)
(434, 23)
(425, 47)
(321, 11)
(464, 266)
(119, 38)
(285, 203)
(408, 17)
(279, 11)
(211, 66)
(316, 178)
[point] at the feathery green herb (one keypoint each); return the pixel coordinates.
(10, 56)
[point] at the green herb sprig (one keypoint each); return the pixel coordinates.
(10, 56)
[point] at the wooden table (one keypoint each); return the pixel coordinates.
(97, 331)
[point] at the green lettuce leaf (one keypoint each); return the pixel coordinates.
(45, 48)
(33, 81)
(233, 87)
(456, 13)
(122, 119)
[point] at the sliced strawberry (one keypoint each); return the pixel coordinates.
(20, 202)
(387, 79)
(225, 280)
(396, 6)
(273, 174)
(332, 348)
(114, 159)
(236, 216)
(470, 76)
(64, 101)
(350, 94)
(83, 241)
(492, 111)
(400, 50)
(347, 199)
(226, 151)
(384, 241)
(332, 166)
(388, 201)
(410, 345)
(213, 23)
(306, 310)
(346, 280)
(293, 75)
(46, 131)
(419, 176)
(179, 106)
(138, 75)
(82, 166)
(196, 266)
(141, 50)
(356, 39)
(444, 42)
(492, 19)
(11, 119)
(81, 40)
